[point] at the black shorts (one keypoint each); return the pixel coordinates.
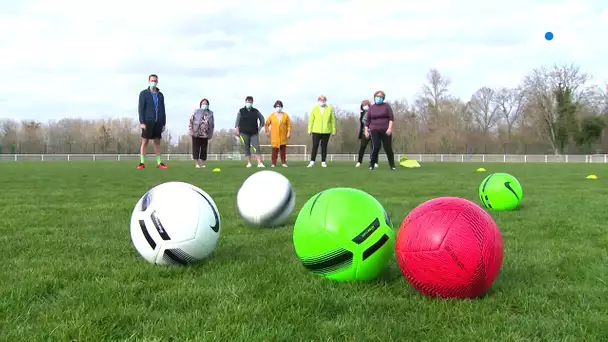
(153, 131)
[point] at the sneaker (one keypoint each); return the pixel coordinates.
(284, 165)
(197, 166)
(358, 165)
(272, 165)
(323, 164)
(203, 166)
(311, 164)
(141, 166)
(393, 168)
(162, 166)
(375, 165)
(261, 165)
(248, 165)
(371, 168)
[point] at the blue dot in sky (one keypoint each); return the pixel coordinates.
(549, 35)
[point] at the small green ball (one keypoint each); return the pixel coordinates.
(500, 192)
(344, 234)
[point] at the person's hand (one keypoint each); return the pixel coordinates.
(268, 134)
(142, 126)
(333, 134)
(162, 129)
(309, 133)
(288, 134)
(367, 134)
(389, 132)
(237, 132)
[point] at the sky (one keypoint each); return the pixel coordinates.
(90, 59)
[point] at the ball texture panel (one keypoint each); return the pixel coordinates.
(468, 258)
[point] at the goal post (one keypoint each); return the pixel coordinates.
(297, 152)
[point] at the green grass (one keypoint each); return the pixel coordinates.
(71, 273)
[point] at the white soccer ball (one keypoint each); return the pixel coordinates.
(266, 199)
(175, 223)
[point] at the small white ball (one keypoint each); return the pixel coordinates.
(266, 199)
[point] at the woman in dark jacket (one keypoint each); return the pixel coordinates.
(363, 140)
(201, 127)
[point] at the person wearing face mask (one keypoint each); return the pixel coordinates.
(152, 120)
(363, 140)
(201, 128)
(249, 122)
(278, 128)
(379, 127)
(321, 125)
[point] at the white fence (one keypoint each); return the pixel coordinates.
(428, 158)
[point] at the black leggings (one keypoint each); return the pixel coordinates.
(362, 146)
(199, 148)
(318, 138)
(379, 139)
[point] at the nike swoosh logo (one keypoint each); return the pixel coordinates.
(216, 226)
(508, 186)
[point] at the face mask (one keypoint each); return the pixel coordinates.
(365, 108)
(379, 99)
(205, 107)
(153, 84)
(322, 104)
(248, 104)
(279, 109)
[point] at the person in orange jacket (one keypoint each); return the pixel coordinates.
(278, 128)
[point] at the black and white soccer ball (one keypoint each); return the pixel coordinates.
(266, 199)
(175, 223)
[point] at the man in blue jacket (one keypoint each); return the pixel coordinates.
(152, 120)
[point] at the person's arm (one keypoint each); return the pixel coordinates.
(261, 121)
(142, 108)
(368, 121)
(288, 121)
(311, 119)
(163, 113)
(191, 124)
(391, 118)
(237, 124)
(211, 124)
(267, 125)
(332, 121)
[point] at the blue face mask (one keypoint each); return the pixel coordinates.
(379, 100)
(205, 107)
(248, 104)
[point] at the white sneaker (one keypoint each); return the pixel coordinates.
(323, 164)
(376, 165)
(284, 165)
(197, 166)
(203, 166)
(272, 165)
(261, 165)
(311, 164)
(358, 165)
(248, 165)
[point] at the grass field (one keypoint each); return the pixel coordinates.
(71, 273)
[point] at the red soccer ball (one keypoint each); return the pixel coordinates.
(449, 247)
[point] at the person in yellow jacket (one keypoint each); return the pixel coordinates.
(321, 125)
(278, 128)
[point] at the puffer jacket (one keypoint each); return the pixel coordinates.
(201, 124)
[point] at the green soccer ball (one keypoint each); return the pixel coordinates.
(344, 234)
(500, 192)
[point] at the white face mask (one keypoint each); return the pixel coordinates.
(322, 104)
(278, 109)
(205, 107)
(365, 108)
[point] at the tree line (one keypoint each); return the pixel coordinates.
(553, 110)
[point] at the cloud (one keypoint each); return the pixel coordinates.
(83, 59)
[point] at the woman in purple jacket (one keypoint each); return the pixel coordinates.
(379, 126)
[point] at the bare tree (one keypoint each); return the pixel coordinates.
(429, 102)
(483, 108)
(540, 87)
(509, 103)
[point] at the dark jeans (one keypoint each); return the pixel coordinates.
(379, 139)
(323, 139)
(362, 146)
(199, 148)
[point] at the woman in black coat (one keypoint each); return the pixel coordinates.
(363, 141)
